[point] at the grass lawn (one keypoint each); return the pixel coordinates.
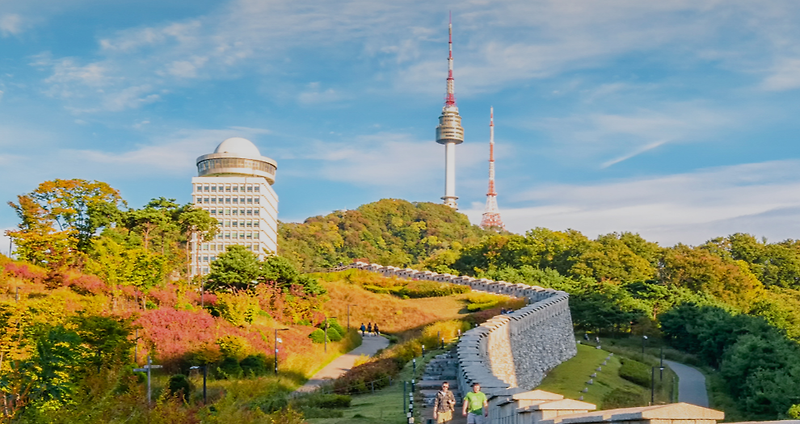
(383, 407)
(570, 378)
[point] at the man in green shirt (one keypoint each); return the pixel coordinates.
(476, 407)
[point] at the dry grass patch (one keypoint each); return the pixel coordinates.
(393, 315)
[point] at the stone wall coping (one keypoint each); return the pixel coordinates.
(568, 404)
(538, 395)
(675, 411)
(768, 422)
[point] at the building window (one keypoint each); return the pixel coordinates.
(205, 258)
(236, 211)
(256, 211)
(249, 212)
(241, 211)
(258, 188)
(249, 188)
(257, 199)
(255, 224)
(227, 235)
(213, 188)
(235, 188)
(227, 188)
(249, 200)
(255, 236)
(205, 200)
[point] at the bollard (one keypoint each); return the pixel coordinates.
(404, 396)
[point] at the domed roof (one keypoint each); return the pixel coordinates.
(239, 146)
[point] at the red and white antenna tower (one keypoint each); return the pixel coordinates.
(491, 215)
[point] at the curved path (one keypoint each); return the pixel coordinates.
(342, 364)
(691, 384)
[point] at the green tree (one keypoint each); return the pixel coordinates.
(80, 206)
(236, 268)
(197, 225)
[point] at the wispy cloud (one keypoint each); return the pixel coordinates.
(609, 139)
(634, 153)
(760, 198)
(10, 24)
(784, 76)
(384, 160)
(497, 45)
(172, 154)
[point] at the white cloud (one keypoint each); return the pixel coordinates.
(385, 160)
(497, 45)
(10, 24)
(315, 95)
(761, 198)
(784, 76)
(608, 139)
(168, 155)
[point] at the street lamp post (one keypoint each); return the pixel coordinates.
(348, 316)
(662, 362)
(644, 339)
(277, 340)
(147, 368)
(653, 384)
(205, 377)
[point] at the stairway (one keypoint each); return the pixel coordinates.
(442, 368)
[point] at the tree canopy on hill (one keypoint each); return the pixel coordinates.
(390, 232)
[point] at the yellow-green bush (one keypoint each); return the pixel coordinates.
(239, 307)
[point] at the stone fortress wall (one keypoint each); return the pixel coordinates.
(510, 353)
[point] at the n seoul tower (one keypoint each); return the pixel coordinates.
(449, 132)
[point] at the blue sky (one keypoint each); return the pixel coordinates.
(677, 120)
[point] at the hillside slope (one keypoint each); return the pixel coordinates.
(389, 231)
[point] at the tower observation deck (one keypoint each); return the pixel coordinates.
(449, 131)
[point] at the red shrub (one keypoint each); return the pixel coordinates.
(25, 272)
(86, 284)
(175, 333)
(165, 297)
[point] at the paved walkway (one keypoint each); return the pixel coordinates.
(342, 364)
(691, 384)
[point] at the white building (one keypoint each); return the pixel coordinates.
(234, 184)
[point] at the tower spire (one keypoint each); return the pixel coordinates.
(451, 90)
(450, 132)
(491, 215)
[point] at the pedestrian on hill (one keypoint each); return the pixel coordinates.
(363, 329)
(369, 329)
(444, 405)
(375, 329)
(586, 336)
(476, 407)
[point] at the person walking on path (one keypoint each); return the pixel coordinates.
(476, 407)
(363, 329)
(444, 405)
(369, 329)
(375, 329)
